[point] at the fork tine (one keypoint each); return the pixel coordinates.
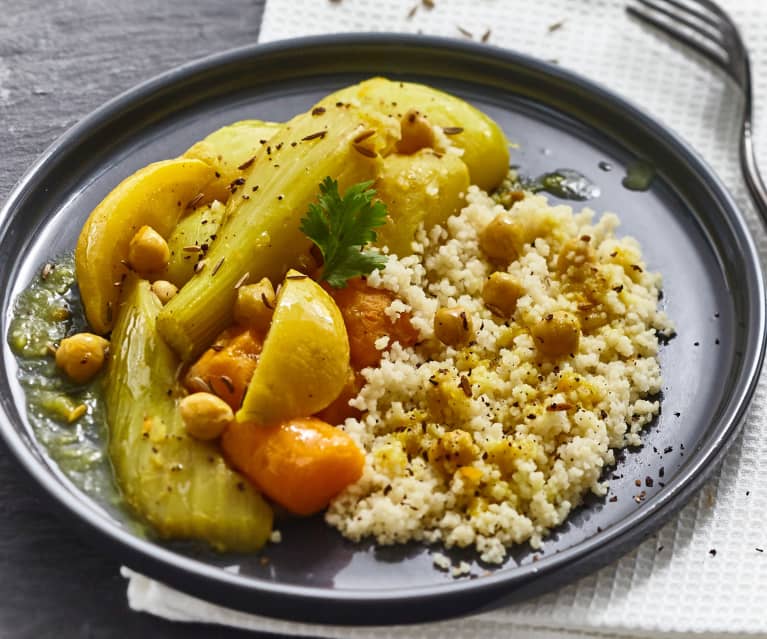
(676, 34)
(714, 8)
(735, 63)
(710, 34)
(734, 41)
(700, 15)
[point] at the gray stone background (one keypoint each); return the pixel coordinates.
(59, 60)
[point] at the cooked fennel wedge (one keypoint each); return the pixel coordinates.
(191, 236)
(229, 151)
(484, 145)
(261, 236)
(182, 486)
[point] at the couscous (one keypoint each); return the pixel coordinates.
(493, 442)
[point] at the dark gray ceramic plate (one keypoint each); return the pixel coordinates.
(687, 223)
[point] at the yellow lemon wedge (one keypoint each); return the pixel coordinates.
(154, 196)
(305, 360)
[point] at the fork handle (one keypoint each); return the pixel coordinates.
(750, 170)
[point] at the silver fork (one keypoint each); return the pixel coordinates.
(706, 28)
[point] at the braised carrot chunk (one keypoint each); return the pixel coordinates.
(339, 410)
(226, 367)
(363, 309)
(300, 464)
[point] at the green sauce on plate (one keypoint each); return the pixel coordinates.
(639, 176)
(44, 313)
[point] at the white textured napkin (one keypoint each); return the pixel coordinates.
(671, 585)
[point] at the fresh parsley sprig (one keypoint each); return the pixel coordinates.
(341, 227)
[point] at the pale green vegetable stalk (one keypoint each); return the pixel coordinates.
(183, 487)
(229, 150)
(191, 239)
(261, 235)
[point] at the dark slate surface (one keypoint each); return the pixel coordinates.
(59, 60)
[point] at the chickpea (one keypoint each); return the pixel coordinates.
(453, 326)
(148, 252)
(205, 415)
(416, 132)
(81, 356)
(557, 334)
(501, 292)
(254, 306)
(502, 239)
(593, 318)
(164, 290)
(575, 256)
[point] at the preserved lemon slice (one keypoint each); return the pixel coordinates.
(305, 361)
(154, 196)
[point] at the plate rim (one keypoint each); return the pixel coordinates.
(150, 556)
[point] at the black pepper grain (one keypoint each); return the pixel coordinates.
(246, 164)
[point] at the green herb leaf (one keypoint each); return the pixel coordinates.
(341, 227)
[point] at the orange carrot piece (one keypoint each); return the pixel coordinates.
(301, 464)
(362, 308)
(339, 410)
(226, 368)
